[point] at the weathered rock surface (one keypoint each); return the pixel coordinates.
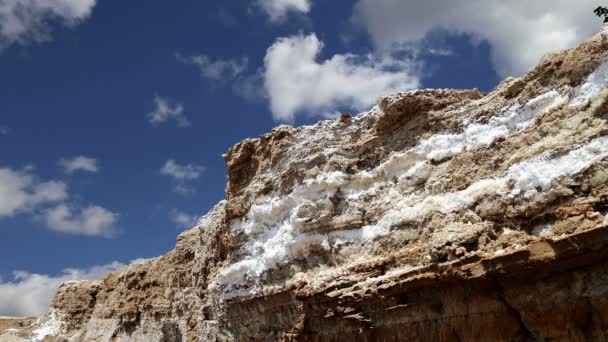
(439, 215)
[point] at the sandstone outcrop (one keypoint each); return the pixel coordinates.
(439, 215)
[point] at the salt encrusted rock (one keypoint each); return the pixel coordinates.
(405, 106)
(438, 215)
(75, 301)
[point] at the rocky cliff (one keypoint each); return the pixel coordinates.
(443, 215)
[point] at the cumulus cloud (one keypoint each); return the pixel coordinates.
(23, 193)
(20, 191)
(91, 221)
(23, 21)
(216, 70)
(182, 175)
(165, 111)
(519, 31)
(182, 219)
(30, 294)
(296, 81)
(277, 10)
(80, 163)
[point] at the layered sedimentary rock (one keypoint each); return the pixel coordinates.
(446, 215)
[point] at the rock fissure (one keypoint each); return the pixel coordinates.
(526, 333)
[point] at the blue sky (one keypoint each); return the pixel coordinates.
(114, 115)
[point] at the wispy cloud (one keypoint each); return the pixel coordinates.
(226, 19)
(182, 172)
(80, 163)
(182, 175)
(215, 70)
(183, 220)
(165, 111)
(231, 72)
(251, 87)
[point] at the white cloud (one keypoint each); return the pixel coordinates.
(296, 82)
(182, 172)
(216, 70)
(23, 21)
(80, 163)
(47, 192)
(277, 10)
(91, 221)
(182, 219)
(30, 294)
(4, 130)
(20, 191)
(166, 111)
(182, 175)
(519, 31)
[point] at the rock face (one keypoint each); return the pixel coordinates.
(443, 215)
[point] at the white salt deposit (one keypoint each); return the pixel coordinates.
(542, 230)
(52, 327)
(595, 84)
(476, 135)
(283, 242)
(541, 172)
(274, 229)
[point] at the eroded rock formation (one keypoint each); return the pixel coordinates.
(443, 215)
